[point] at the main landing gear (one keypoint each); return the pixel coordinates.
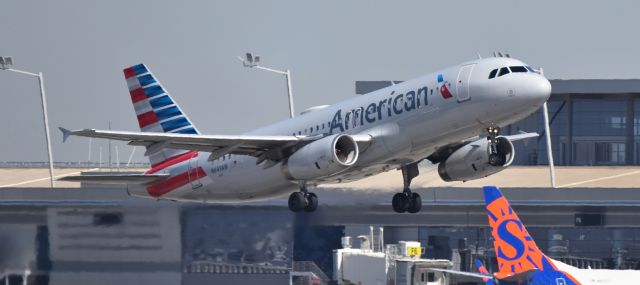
(303, 200)
(495, 158)
(407, 201)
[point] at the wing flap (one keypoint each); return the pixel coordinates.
(140, 179)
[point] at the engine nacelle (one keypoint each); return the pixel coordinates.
(472, 160)
(321, 158)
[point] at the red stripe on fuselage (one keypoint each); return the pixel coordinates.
(128, 72)
(172, 161)
(175, 182)
(147, 118)
(137, 95)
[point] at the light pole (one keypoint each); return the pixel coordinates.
(5, 64)
(252, 61)
(547, 133)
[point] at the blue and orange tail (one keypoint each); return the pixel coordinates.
(483, 270)
(515, 250)
(155, 109)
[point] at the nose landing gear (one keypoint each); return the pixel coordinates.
(303, 200)
(495, 158)
(407, 201)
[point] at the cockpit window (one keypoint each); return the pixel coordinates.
(530, 68)
(518, 69)
(503, 71)
(492, 74)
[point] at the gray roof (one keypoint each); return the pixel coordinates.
(595, 86)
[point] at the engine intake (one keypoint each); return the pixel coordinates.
(321, 158)
(473, 161)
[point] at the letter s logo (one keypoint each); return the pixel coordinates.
(514, 240)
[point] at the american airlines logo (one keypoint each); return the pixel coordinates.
(394, 105)
(444, 87)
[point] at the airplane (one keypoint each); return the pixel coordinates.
(521, 262)
(451, 117)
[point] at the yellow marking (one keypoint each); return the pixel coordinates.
(414, 251)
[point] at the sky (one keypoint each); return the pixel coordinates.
(191, 46)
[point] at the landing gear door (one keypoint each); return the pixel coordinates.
(194, 173)
(462, 83)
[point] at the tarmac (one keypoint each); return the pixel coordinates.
(515, 176)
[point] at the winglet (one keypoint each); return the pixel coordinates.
(65, 134)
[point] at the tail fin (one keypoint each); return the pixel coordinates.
(483, 270)
(156, 110)
(515, 249)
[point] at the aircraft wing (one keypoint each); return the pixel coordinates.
(521, 136)
(464, 273)
(116, 178)
(261, 146)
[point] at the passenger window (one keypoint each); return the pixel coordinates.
(492, 74)
(503, 71)
(517, 69)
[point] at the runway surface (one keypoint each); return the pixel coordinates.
(515, 176)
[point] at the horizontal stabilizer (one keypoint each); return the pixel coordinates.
(65, 134)
(140, 179)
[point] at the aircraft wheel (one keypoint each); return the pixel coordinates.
(400, 202)
(297, 202)
(415, 203)
(312, 202)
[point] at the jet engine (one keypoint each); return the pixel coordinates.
(321, 158)
(474, 160)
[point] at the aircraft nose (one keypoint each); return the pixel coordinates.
(540, 88)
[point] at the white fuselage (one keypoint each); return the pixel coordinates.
(406, 121)
(600, 276)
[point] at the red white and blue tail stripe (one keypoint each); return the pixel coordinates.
(155, 109)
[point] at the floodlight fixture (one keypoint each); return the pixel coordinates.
(253, 61)
(6, 62)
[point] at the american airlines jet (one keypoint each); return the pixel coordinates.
(520, 261)
(451, 117)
